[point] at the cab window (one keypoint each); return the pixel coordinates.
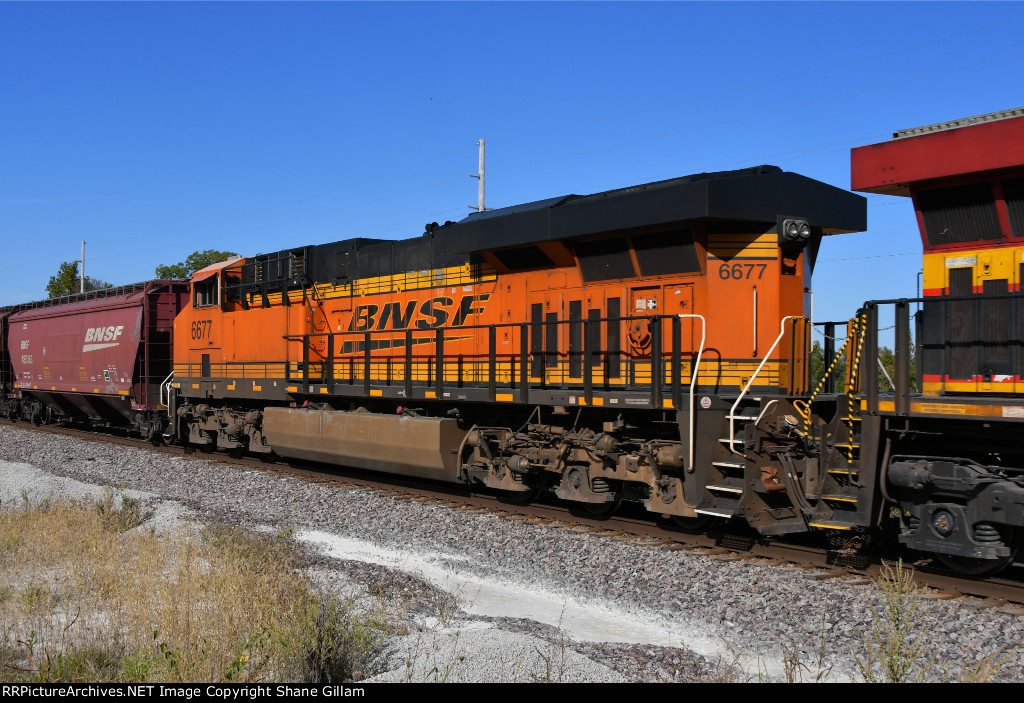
(205, 293)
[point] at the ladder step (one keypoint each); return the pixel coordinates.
(725, 489)
(713, 513)
(845, 472)
(831, 525)
(728, 464)
(745, 418)
(840, 499)
(726, 440)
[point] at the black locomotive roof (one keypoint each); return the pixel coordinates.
(759, 194)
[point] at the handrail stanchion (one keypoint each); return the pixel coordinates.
(588, 362)
(656, 368)
(329, 366)
(366, 363)
(869, 358)
(306, 341)
(492, 363)
(693, 379)
(439, 353)
(408, 364)
(677, 362)
(524, 371)
(902, 381)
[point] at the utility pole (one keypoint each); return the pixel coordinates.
(480, 177)
(81, 287)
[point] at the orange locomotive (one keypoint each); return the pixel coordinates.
(567, 343)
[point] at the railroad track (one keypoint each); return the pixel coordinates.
(1005, 592)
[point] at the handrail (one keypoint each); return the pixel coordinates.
(750, 382)
(166, 384)
(693, 380)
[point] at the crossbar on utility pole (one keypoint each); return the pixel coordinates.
(480, 176)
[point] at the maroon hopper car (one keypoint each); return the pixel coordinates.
(98, 356)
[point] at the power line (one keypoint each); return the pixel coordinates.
(756, 115)
(26, 274)
(570, 126)
(876, 256)
(763, 84)
(285, 222)
(289, 203)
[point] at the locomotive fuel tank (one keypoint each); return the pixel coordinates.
(426, 447)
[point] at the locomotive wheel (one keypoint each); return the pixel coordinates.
(696, 525)
(522, 497)
(970, 566)
(208, 448)
(598, 510)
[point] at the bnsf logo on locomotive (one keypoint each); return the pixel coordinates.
(435, 312)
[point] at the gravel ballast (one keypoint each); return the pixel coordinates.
(497, 598)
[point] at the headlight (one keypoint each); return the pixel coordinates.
(796, 231)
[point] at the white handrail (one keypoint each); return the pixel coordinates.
(693, 379)
(166, 384)
(886, 374)
(732, 412)
(767, 407)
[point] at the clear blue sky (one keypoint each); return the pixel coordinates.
(153, 130)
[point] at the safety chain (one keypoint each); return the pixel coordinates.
(837, 339)
(860, 328)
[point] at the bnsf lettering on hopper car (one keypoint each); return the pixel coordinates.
(103, 334)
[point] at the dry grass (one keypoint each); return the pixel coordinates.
(899, 648)
(87, 595)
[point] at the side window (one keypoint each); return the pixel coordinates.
(205, 293)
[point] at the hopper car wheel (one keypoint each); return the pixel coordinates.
(698, 524)
(970, 566)
(238, 452)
